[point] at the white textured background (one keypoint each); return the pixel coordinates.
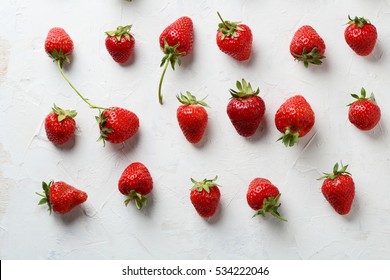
(169, 228)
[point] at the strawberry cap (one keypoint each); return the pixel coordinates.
(313, 57)
(63, 114)
(206, 184)
(46, 196)
(228, 28)
(139, 199)
(190, 99)
(270, 205)
(336, 172)
(363, 97)
(121, 31)
(359, 21)
(290, 137)
(244, 90)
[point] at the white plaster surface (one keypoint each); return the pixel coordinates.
(169, 228)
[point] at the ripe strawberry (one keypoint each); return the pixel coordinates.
(307, 46)
(192, 117)
(295, 118)
(117, 125)
(339, 189)
(60, 125)
(262, 196)
(364, 113)
(59, 45)
(360, 35)
(175, 41)
(120, 43)
(234, 39)
(245, 109)
(61, 197)
(205, 196)
(136, 182)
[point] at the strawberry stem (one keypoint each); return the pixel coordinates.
(160, 97)
(222, 20)
(59, 64)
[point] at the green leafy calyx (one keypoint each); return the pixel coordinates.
(46, 195)
(121, 31)
(228, 28)
(104, 130)
(63, 114)
(290, 137)
(359, 21)
(312, 57)
(139, 199)
(336, 172)
(244, 90)
(363, 97)
(206, 184)
(60, 56)
(190, 99)
(270, 205)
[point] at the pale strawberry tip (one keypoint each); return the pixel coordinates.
(270, 205)
(139, 199)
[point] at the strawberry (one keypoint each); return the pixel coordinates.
(234, 39)
(192, 117)
(117, 125)
(60, 125)
(295, 118)
(61, 197)
(364, 113)
(136, 182)
(205, 196)
(245, 109)
(58, 45)
(360, 35)
(263, 197)
(339, 189)
(176, 41)
(307, 46)
(120, 43)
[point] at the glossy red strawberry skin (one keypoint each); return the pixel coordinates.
(121, 50)
(135, 177)
(57, 39)
(364, 114)
(123, 124)
(64, 197)
(361, 40)
(339, 192)
(239, 47)
(258, 190)
(180, 31)
(59, 132)
(295, 114)
(246, 114)
(192, 121)
(206, 204)
(306, 39)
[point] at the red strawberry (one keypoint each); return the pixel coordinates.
(205, 196)
(60, 125)
(136, 182)
(59, 45)
(307, 46)
(234, 39)
(360, 35)
(192, 117)
(339, 189)
(175, 41)
(61, 197)
(262, 196)
(120, 43)
(117, 125)
(364, 113)
(295, 118)
(245, 109)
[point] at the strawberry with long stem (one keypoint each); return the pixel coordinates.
(116, 124)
